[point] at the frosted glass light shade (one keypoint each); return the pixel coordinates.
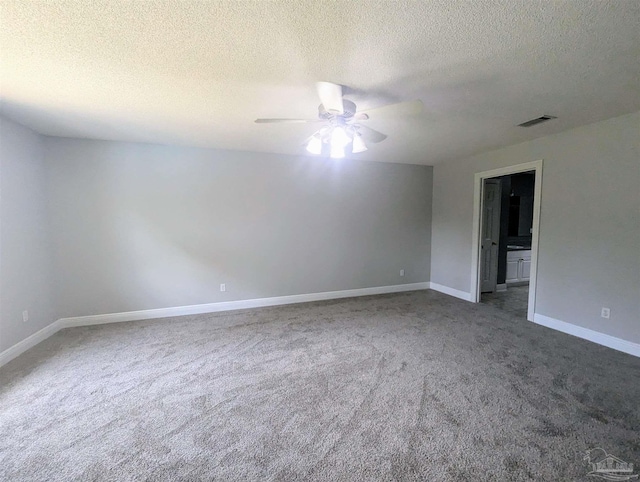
(358, 144)
(315, 145)
(337, 152)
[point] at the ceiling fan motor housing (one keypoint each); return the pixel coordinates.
(348, 107)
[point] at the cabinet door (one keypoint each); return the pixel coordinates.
(512, 269)
(525, 266)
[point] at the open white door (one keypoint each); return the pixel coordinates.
(490, 235)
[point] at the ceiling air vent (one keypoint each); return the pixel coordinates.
(539, 120)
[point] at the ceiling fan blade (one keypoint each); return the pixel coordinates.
(331, 97)
(412, 107)
(370, 135)
(290, 121)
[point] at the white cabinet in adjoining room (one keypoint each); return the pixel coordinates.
(518, 266)
(512, 268)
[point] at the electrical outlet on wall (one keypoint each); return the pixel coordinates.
(605, 313)
(223, 287)
(401, 272)
(25, 316)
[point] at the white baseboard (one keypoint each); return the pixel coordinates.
(235, 305)
(463, 295)
(45, 333)
(586, 334)
(29, 342)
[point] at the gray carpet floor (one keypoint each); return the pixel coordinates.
(408, 386)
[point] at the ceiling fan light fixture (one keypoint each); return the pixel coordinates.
(315, 145)
(341, 120)
(358, 144)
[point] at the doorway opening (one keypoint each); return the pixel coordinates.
(506, 221)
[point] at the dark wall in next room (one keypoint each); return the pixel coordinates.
(516, 216)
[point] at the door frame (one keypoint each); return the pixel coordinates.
(478, 185)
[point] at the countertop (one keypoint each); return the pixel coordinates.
(513, 247)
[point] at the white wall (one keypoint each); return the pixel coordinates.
(589, 253)
(141, 226)
(25, 245)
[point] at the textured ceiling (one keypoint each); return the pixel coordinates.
(199, 73)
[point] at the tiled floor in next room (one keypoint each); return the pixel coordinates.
(514, 300)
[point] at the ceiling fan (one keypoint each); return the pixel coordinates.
(342, 122)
